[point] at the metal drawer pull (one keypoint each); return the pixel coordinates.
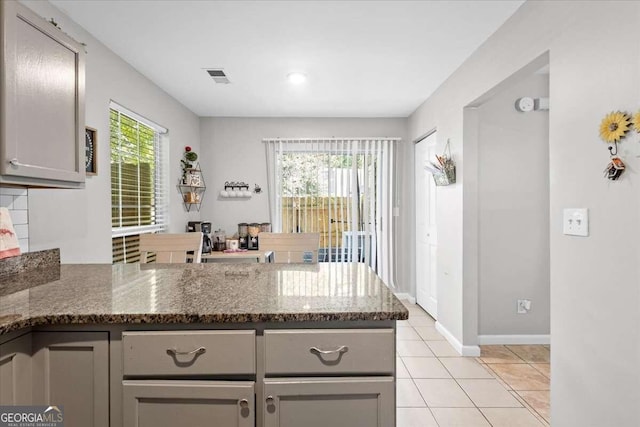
(244, 403)
(339, 350)
(197, 351)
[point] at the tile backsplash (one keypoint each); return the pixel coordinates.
(17, 201)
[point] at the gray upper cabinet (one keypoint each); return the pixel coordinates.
(42, 128)
(71, 369)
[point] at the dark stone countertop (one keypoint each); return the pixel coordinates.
(29, 270)
(202, 293)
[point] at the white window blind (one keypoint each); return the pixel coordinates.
(139, 185)
(341, 188)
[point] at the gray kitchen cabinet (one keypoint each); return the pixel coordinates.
(15, 371)
(336, 402)
(158, 403)
(41, 101)
(71, 369)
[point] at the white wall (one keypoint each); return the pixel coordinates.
(595, 320)
(513, 212)
(232, 150)
(79, 221)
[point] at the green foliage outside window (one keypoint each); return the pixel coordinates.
(133, 165)
(308, 174)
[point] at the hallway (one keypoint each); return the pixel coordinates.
(507, 386)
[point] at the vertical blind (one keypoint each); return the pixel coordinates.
(139, 185)
(341, 188)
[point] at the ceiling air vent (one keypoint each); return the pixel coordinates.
(219, 76)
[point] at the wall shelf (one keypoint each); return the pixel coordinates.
(192, 188)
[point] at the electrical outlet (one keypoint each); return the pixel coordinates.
(524, 305)
(575, 222)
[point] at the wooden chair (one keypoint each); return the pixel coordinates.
(291, 247)
(171, 248)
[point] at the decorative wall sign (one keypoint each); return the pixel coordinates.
(91, 151)
(195, 179)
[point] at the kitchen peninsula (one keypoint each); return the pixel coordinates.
(224, 344)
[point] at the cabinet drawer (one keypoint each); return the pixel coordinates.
(329, 351)
(180, 353)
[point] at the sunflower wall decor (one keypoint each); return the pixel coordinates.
(636, 121)
(614, 126)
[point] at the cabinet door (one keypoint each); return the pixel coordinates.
(188, 403)
(321, 402)
(43, 100)
(71, 369)
(15, 371)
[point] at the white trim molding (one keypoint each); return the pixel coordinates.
(405, 296)
(513, 339)
(464, 350)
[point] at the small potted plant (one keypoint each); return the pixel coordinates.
(189, 157)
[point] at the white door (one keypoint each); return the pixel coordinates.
(426, 230)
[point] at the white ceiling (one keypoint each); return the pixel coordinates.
(362, 58)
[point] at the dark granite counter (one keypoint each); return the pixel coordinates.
(29, 270)
(202, 293)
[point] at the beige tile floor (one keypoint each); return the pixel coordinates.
(507, 386)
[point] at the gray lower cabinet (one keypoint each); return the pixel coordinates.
(170, 403)
(42, 128)
(335, 402)
(71, 369)
(205, 378)
(15, 371)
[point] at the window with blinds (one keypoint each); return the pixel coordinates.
(138, 194)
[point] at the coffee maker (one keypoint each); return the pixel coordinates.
(205, 228)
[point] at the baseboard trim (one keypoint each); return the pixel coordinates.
(513, 339)
(404, 295)
(464, 350)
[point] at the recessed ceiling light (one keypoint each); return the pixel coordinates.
(297, 77)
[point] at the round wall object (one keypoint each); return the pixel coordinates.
(525, 104)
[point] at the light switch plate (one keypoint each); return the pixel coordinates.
(575, 222)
